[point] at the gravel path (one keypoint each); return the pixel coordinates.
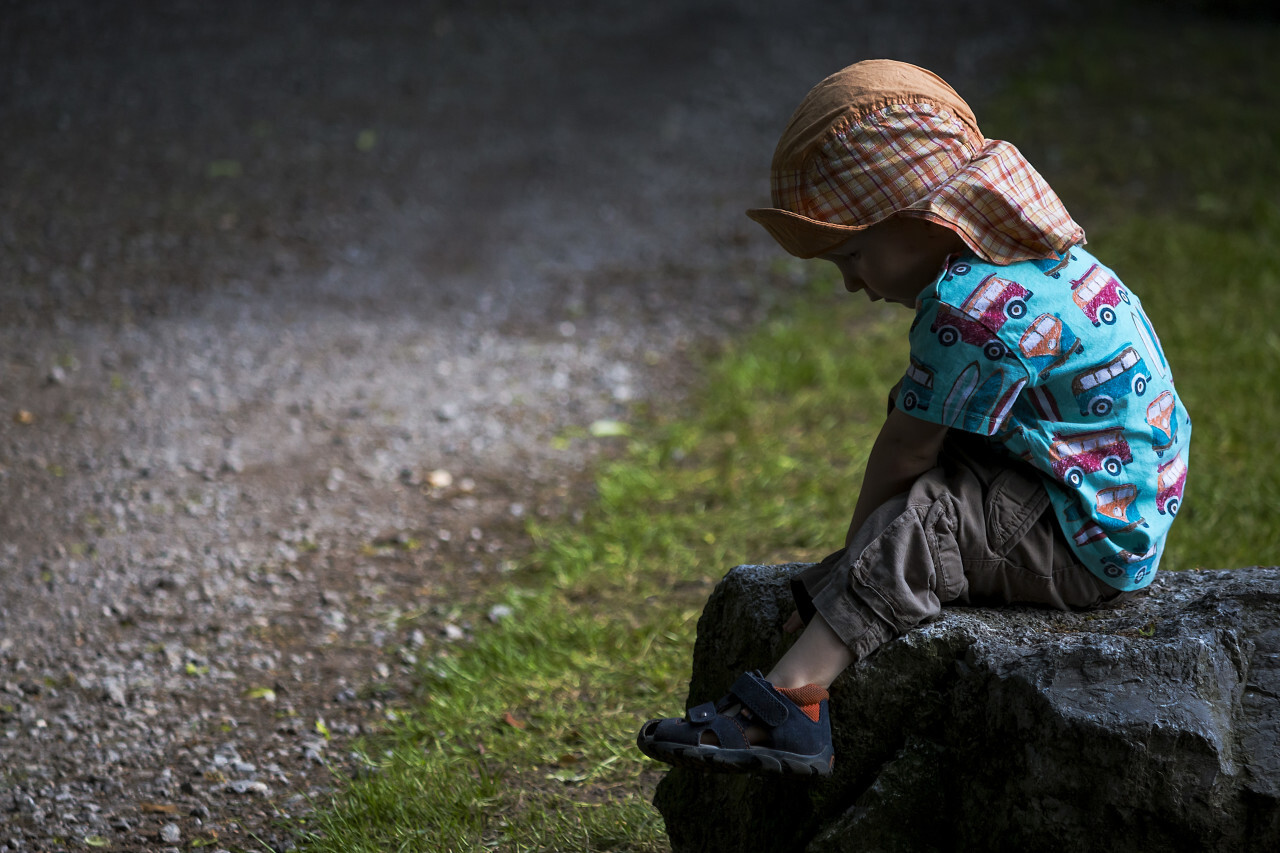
(294, 298)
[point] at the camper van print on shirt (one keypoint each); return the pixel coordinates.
(1058, 363)
(1076, 455)
(1048, 343)
(1097, 293)
(916, 391)
(1099, 387)
(1162, 417)
(982, 314)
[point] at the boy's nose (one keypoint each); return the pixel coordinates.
(851, 282)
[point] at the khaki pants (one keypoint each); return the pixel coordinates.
(978, 529)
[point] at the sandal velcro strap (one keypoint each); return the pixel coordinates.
(759, 696)
(702, 713)
(731, 733)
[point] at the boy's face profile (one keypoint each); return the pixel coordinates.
(895, 259)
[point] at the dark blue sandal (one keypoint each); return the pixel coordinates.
(797, 744)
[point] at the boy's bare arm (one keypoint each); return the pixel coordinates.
(905, 449)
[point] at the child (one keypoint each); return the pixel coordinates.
(1035, 450)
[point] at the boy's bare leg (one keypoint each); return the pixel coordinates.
(817, 657)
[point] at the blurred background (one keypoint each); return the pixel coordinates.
(311, 311)
(306, 308)
(249, 246)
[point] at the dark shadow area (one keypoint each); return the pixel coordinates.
(409, 155)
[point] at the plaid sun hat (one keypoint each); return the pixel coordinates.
(884, 137)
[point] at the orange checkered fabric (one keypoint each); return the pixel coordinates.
(844, 165)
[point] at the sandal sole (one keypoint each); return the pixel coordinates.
(758, 759)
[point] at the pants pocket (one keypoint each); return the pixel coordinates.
(911, 567)
(1014, 503)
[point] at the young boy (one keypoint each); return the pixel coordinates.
(1035, 450)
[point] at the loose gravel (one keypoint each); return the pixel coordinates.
(295, 300)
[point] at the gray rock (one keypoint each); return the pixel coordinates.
(114, 691)
(247, 786)
(1151, 726)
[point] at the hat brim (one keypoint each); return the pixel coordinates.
(1032, 225)
(800, 235)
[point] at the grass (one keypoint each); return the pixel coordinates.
(522, 740)
(1162, 142)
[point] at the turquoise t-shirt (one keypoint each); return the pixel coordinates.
(1057, 362)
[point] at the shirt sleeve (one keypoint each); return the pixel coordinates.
(961, 375)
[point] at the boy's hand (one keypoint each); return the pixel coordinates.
(794, 623)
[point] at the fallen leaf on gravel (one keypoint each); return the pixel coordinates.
(322, 729)
(96, 841)
(511, 720)
(264, 693)
(608, 429)
(22, 416)
(569, 777)
(157, 808)
(440, 479)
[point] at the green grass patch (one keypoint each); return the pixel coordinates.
(523, 738)
(1163, 144)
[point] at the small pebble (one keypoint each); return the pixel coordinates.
(247, 786)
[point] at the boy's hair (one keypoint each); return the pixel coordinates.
(883, 137)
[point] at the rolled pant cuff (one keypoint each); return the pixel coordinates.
(857, 625)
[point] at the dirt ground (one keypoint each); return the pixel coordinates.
(294, 298)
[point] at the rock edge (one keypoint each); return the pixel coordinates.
(1154, 725)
